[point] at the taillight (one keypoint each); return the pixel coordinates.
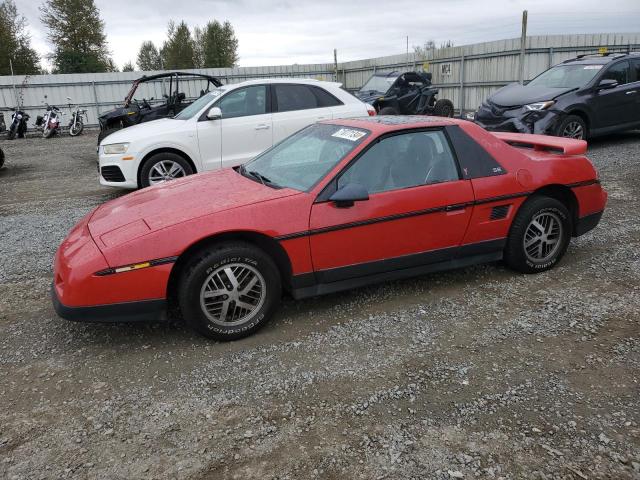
(371, 111)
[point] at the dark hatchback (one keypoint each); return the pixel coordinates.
(583, 97)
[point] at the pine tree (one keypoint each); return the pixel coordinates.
(76, 32)
(218, 44)
(149, 57)
(15, 43)
(178, 49)
(128, 67)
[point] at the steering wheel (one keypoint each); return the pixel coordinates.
(145, 104)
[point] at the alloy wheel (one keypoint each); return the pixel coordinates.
(543, 237)
(232, 294)
(165, 170)
(573, 130)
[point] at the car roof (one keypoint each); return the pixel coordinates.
(260, 81)
(384, 123)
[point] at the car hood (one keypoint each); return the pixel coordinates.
(515, 94)
(161, 206)
(160, 127)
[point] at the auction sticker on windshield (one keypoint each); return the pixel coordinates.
(592, 67)
(349, 134)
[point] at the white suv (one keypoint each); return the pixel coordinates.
(223, 128)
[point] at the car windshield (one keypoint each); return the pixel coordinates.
(378, 83)
(199, 104)
(304, 158)
(566, 76)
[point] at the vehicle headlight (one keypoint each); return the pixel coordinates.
(539, 105)
(115, 148)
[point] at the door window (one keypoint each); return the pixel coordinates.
(404, 161)
(294, 97)
(244, 102)
(635, 71)
(325, 99)
(618, 72)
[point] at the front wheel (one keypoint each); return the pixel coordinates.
(539, 235)
(163, 167)
(76, 128)
(572, 127)
(229, 291)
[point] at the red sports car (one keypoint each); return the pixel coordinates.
(337, 205)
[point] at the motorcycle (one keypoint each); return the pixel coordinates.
(76, 125)
(18, 127)
(50, 122)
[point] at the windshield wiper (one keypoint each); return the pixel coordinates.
(264, 180)
(257, 176)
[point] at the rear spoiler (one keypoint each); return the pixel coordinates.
(568, 146)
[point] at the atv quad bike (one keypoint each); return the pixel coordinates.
(134, 111)
(408, 93)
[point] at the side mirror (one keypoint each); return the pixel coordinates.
(607, 83)
(348, 194)
(214, 113)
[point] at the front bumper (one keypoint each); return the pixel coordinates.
(142, 311)
(127, 170)
(518, 120)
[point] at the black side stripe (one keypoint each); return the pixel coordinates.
(152, 263)
(399, 216)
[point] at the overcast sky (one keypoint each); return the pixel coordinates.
(281, 32)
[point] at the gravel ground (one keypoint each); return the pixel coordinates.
(479, 372)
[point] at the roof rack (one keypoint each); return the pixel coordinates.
(596, 55)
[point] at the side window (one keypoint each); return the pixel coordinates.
(403, 161)
(635, 68)
(325, 99)
(618, 72)
(294, 97)
(244, 102)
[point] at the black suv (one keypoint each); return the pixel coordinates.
(583, 97)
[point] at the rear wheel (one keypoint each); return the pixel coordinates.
(229, 291)
(163, 167)
(388, 111)
(572, 127)
(443, 108)
(539, 236)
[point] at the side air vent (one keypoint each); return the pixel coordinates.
(499, 212)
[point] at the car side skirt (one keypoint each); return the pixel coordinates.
(344, 278)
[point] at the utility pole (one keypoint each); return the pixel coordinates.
(335, 63)
(407, 52)
(523, 45)
(13, 82)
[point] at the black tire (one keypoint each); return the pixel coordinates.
(164, 157)
(1, 158)
(443, 108)
(78, 130)
(105, 133)
(388, 111)
(521, 258)
(572, 127)
(11, 134)
(202, 271)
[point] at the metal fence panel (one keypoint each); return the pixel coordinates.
(487, 67)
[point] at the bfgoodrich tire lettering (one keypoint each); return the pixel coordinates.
(539, 235)
(229, 291)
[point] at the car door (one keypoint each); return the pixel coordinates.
(615, 106)
(295, 107)
(417, 212)
(244, 131)
(634, 93)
